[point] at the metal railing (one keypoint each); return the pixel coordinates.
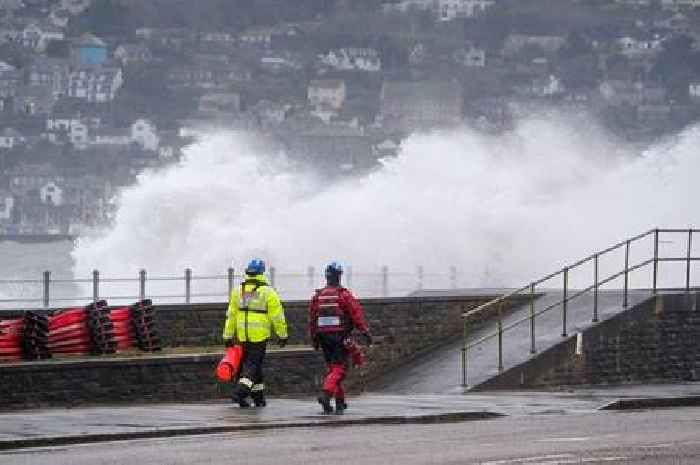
(189, 287)
(567, 295)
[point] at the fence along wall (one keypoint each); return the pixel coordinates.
(48, 290)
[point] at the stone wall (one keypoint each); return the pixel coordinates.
(405, 328)
(655, 341)
(144, 379)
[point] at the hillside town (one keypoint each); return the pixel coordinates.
(93, 92)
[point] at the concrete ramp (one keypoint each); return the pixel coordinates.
(440, 371)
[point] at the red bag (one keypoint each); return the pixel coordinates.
(229, 365)
(356, 354)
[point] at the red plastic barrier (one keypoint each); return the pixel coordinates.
(229, 365)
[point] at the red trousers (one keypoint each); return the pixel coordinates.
(334, 379)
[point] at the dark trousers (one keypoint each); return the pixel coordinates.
(251, 375)
(336, 356)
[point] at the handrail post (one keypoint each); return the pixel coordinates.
(230, 277)
(453, 277)
(385, 281)
(500, 337)
(627, 267)
(533, 349)
(656, 260)
(47, 288)
(348, 278)
(95, 285)
(565, 302)
(464, 351)
(420, 278)
(142, 284)
(310, 272)
(596, 261)
(687, 261)
(188, 285)
(273, 272)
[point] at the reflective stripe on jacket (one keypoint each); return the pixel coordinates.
(254, 310)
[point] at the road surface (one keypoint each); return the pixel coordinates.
(654, 437)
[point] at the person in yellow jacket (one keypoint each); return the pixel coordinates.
(254, 311)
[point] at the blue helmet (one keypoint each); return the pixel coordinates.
(334, 269)
(256, 266)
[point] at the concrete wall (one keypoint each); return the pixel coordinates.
(405, 327)
(655, 341)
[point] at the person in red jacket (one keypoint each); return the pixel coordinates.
(333, 314)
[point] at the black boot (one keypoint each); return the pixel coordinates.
(240, 395)
(258, 398)
(325, 401)
(340, 406)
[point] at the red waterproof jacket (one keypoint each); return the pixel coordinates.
(335, 309)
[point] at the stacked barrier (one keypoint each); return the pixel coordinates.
(11, 335)
(82, 330)
(143, 315)
(93, 329)
(123, 328)
(35, 337)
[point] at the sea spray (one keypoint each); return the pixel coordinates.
(502, 209)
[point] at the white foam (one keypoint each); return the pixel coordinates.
(503, 209)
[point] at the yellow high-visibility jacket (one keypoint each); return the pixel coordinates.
(254, 308)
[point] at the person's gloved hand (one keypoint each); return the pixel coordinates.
(282, 342)
(316, 343)
(229, 342)
(367, 338)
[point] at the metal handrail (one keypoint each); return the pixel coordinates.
(500, 301)
(142, 285)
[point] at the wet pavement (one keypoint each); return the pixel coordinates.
(139, 421)
(656, 437)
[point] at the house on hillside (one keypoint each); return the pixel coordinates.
(51, 194)
(37, 35)
(7, 202)
(420, 104)
(34, 100)
(449, 10)
(407, 6)
(328, 93)
(129, 54)
(88, 50)
(472, 57)
(50, 72)
(694, 91)
(220, 104)
(352, 59)
(631, 46)
(11, 138)
(9, 8)
(547, 43)
(145, 134)
(10, 81)
(95, 84)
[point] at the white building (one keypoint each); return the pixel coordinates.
(7, 202)
(10, 138)
(353, 59)
(145, 134)
(97, 85)
(38, 35)
(631, 46)
(694, 90)
(448, 10)
(51, 194)
(327, 93)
